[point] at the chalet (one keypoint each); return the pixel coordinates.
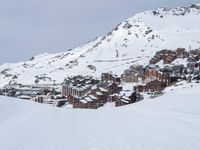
(133, 74)
(60, 103)
(113, 88)
(116, 79)
(151, 75)
(113, 98)
(108, 77)
(86, 105)
(87, 102)
(101, 96)
(72, 99)
(181, 53)
(80, 80)
(109, 88)
(93, 99)
(122, 101)
(129, 76)
(167, 56)
(152, 86)
(138, 69)
(125, 100)
(103, 91)
(135, 97)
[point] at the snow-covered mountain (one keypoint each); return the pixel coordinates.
(135, 40)
(169, 122)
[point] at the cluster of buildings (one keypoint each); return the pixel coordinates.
(153, 78)
(168, 56)
(86, 92)
(90, 93)
(42, 93)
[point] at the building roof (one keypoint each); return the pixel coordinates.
(83, 101)
(99, 93)
(92, 97)
(125, 100)
(88, 99)
(102, 89)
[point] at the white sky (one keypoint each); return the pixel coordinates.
(30, 27)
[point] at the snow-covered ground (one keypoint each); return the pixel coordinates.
(170, 122)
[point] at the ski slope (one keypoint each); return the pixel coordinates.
(170, 122)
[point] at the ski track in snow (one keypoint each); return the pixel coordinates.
(170, 122)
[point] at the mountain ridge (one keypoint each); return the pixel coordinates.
(133, 41)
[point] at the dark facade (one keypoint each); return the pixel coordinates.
(152, 86)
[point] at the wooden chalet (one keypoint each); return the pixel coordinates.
(125, 100)
(130, 76)
(152, 86)
(87, 102)
(60, 103)
(194, 55)
(113, 98)
(108, 77)
(181, 53)
(122, 101)
(167, 56)
(151, 75)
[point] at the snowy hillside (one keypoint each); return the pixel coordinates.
(170, 122)
(134, 41)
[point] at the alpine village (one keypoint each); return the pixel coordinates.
(88, 92)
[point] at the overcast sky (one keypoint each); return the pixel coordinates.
(30, 27)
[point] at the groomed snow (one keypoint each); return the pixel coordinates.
(170, 122)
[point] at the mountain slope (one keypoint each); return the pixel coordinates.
(170, 122)
(134, 41)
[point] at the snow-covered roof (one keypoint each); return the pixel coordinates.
(99, 93)
(92, 97)
(88, 99)
(84, 101)
(103, 89)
